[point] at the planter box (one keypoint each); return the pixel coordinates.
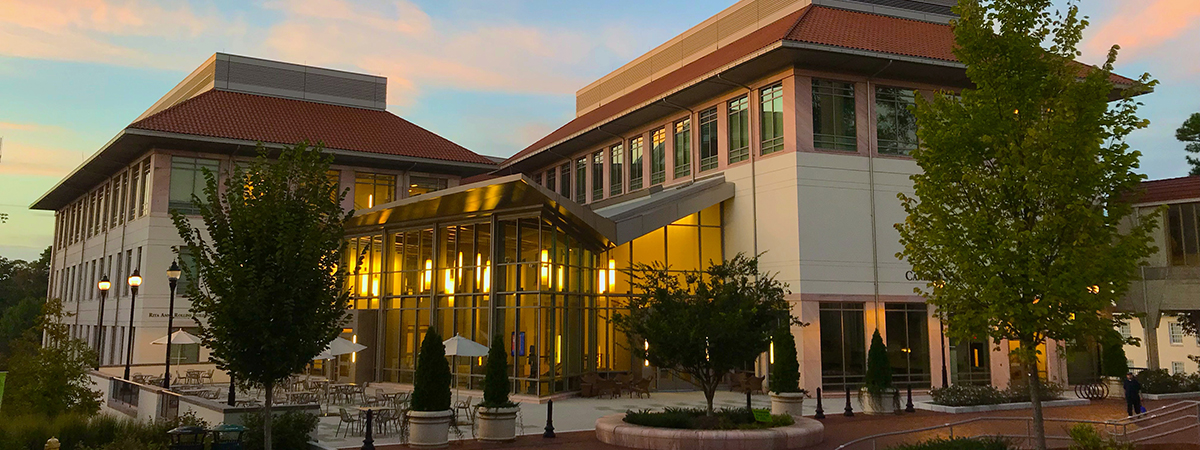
(1172, 396)
(497, 424)
(613, 430)
(887, 402)
(429, 429)
(930, 406)
(787, 403)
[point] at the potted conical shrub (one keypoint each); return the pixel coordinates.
(877, 396)
(786, 395)
(430, 415)
(497, 415)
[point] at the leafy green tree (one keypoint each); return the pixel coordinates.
(16, 322)
(51, 379)
(495, 376)
(21, 279)
(785, 373)
(431, 382)
(267, 264)
(1024, 184)
(879, 368)
(1189, 132)
(704, 323)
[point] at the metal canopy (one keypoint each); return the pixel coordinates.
(611, 226)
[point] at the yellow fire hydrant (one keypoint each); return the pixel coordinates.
(51, 444)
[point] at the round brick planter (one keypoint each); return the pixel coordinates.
(612, 429)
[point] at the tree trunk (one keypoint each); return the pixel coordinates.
(1035, 397)
(267, 420)
(709, 393)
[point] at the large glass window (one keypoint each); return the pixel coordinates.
(739, 129)
(552, 179)
(616, 170)
(187, 179)
(833, 115)
(564, 185)
(708, 139)
(635, 163)
(372, 189)
(771, 118)
(1183, 233)
(972, 362)
(581, 180)
(895, 124)
(658, 156)
(683, 148)
(418, 185)
(843, 345)
(908, 343)
(597, 175)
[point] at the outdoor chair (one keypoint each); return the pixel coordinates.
(587, 384)
(609, 387)
(642, 386)
(464, 406)
(736, 380)
(351, 422)
(624, 384)
(207, 377)
(753, 384)
(385, 419)
(358, 391)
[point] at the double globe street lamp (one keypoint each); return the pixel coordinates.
(173, 273)
(135, 280)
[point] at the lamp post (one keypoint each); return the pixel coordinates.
(134, 281)
(103, 285)
(945, 379)
(172, 278)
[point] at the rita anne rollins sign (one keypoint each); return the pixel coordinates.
(178, 315)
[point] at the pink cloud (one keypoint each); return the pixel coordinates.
(1140, 26)
(21, 159)
(28, 127)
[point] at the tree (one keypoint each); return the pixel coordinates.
(1025, 180)
(51, 379)
(704, 323)
(879, 369)
(495, 376)
(23, 286)
(1114, 363)
(1189, 132)
(269, 283)
(431, 382)
(785, 373)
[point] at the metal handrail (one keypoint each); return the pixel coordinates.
(1109, 425)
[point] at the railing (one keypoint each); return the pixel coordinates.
(1156, 424)
(124, 392)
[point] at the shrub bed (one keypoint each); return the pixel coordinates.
(99, 432)
(1159, 381)
(960, 443)
(695, 419)
(966, 395)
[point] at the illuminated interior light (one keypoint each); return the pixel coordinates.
(544, 270)
(450, 283)
(603, 285)
(375, 287)
(612, 274)
(976, 355)
(478, 269)
(427, 277)
(487, 276)
(558, 349)
(354, 356)
(362, 285)
(646, 347)
(770, 353)
(460, 266)
(560, 278)
(370, 201)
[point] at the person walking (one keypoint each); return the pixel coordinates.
(1133, 395)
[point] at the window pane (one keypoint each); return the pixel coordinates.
(834, 116)
(896, 126)
(658, 156)
(616, 170)
(597, 176)
(551, 179)
(564, 185)
(635, 163)
(371, 189)
(581, 180)
(771, 119)
(187, 179)
(708, 139)
(424, 185)
(739, 130)
(683, 148)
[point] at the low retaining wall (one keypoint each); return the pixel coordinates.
(930, 406)
(1174, 396)
(612, 429)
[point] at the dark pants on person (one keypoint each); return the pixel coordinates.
(1133, 405)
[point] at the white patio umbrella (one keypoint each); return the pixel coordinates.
(338, 347)
(461, 346)
(179, 337)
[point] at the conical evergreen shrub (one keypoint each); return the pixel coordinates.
(431, 383)
(1115, 363)
(879, 369)
(785, 373)
(495, 377)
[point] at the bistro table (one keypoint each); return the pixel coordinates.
(379, 420)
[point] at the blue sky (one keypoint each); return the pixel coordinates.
(492, 75)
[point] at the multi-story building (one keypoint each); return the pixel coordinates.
(1169, 282)
(112, 213)
(776, 127)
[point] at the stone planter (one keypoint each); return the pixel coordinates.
(787, 403)
(429, 429)
(1116, 386)
(613, 430)
(887, 402)
(497, 424)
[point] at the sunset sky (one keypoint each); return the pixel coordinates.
(491, 75)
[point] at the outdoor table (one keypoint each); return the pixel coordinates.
(291, 396)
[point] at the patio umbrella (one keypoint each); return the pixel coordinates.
(179, 337)
(338, 347)
(461, 346)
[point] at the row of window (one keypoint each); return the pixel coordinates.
(834, 128)
(120, 198)
(80, 281)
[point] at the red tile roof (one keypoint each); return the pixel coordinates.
(1170, 189)
(812, 24)
(234, 115)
